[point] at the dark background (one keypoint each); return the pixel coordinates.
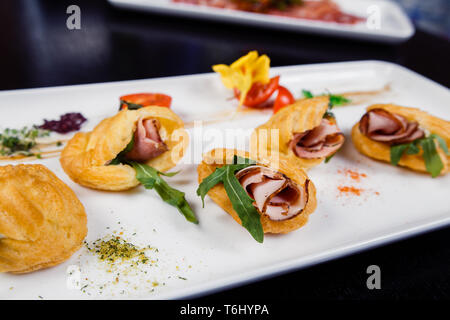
(38, 50)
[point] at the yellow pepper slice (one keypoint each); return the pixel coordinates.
(244, 72)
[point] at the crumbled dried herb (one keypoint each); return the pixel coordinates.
(116, 249)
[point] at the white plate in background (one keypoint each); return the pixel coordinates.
(395, 26)
(218, 253)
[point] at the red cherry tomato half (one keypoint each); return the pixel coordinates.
(139, 100)
(259, 93)
(284, 98)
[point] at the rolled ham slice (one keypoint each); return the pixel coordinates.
(320, 142)
(275, 195)
(147, 141)
(384, 126)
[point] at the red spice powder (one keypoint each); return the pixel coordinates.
(350, 190)
(353, 174)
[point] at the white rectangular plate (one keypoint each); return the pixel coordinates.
(387, 21)
(218, 253)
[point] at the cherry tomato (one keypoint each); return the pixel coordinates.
(284, 98)
(259, 93)
(139, 100)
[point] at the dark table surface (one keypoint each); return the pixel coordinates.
(38, 50)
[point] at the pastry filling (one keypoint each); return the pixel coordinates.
(384, 126)
(275, 195)
(147, 141)
(320, 142)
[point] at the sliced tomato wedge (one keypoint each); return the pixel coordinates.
(283, 99)
(259, 93)
(139, 100)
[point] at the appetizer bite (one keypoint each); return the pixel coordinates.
(305, 132)
(263, 195)
(404, 136)
(42, 220)
(249, 78)
(132, 147)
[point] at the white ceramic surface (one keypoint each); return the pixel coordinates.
(387, 22)
(218, 253)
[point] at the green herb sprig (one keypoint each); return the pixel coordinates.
(130, 105)
(329, 157)
(433, 162)
(121, 156)
(241, 201)
(20, 141)
(334, 99)
(151, 179)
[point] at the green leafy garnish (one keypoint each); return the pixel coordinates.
(130, 105)
(151, 179)
(329, 157)
(307, 94)
(441, 142)
(121, 156)
(241, 201)
(329, 114)
(335, 100)
(20, 141)
(412, 149)
(397, 152)
(433, 162)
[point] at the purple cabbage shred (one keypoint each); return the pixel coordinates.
(68, 122)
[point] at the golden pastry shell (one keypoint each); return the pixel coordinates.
(41, 218)
(85, 158)
(303, 115)
(381, 151)
(218, 157)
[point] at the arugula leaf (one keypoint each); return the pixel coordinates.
(151, 179)
(441, 142)
(397, 152)
(334, 100)
(329, 157)
(218, 175)
(433, 162)
(215, 178)
(121, 156)
(241, 201)
(209, 182)
(329, 114)
(243, 204)
(413, 148)
(130, 105)
(431, 157)
(337, 100)
(307, 94)
(241, 160)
